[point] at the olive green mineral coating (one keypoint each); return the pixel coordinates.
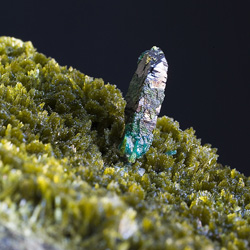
(61, 175)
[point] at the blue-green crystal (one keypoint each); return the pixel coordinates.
(134, 145)
(171, 152)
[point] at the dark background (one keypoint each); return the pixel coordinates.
(206, 43)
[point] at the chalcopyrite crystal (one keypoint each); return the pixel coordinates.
(144, 98)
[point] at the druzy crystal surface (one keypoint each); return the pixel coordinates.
(63, 182)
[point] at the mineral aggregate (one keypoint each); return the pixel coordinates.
(62, 176)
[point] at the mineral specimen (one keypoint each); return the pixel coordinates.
(144, 98)
(62, 179)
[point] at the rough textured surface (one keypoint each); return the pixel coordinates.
(13, 240)
(61, 173)
(144, 98)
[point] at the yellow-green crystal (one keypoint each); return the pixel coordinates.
(61, 174)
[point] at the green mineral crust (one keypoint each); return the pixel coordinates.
(64, 185)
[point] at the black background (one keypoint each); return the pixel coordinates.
(206, 43)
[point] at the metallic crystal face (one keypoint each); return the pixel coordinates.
(144, 98)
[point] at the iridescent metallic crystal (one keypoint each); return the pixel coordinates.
(144, 98)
